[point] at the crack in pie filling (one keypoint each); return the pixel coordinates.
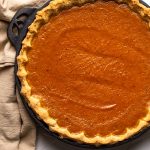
(84, 67)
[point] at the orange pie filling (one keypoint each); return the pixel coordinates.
(91, 66)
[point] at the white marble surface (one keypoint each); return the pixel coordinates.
(147, 1)
(49, 143)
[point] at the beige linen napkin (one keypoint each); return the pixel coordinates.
(17, 131)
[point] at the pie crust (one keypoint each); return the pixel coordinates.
(43, 17)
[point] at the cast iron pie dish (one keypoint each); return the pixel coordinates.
(92, 81)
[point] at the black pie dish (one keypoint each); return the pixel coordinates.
(17, 30)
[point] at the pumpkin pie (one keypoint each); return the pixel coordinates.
(84, 68)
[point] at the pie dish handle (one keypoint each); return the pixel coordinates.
(19, 25)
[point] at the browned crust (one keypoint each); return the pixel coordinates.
(43, 17)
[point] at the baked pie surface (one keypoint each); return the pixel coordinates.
(84, 67)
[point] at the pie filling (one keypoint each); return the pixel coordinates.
(91, 66)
